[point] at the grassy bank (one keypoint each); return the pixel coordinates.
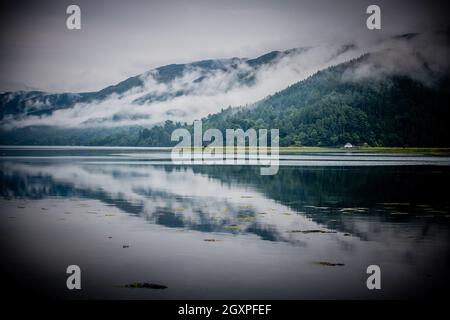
(399, 150)
(396, 150)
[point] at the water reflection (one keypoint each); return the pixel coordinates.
(238, 200)
(270, 227)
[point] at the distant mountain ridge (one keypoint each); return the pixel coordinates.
(39, 103)
(395, 96)
(332, 108)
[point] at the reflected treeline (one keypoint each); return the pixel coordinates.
(147, 191)
(335, 196)
(237, 199)
(342, 186)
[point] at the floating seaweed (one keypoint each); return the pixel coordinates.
(353, 210)
(232, 226)
(143, 285)
(329, 264)
(310, 231)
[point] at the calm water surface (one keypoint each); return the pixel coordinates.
(128, 215)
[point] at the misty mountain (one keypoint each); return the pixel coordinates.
(335, 106)
(332, 107)
(19, 104)
(396, 94)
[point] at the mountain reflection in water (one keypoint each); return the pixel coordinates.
(239, 200)
(398, 214)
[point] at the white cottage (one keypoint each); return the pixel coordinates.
(348, 145)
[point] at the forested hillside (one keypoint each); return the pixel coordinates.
(330, 108)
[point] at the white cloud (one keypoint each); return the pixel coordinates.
(423, 58)
(218, 90)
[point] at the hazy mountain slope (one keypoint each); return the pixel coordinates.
(178, 92)
(332, 107)
(396, 95)
(335, 106)
(21, 103)
(339, 105)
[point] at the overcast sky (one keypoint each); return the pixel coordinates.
(119, 39)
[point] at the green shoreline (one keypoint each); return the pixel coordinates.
(396, 150)
(355, 149)
(408, 150)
